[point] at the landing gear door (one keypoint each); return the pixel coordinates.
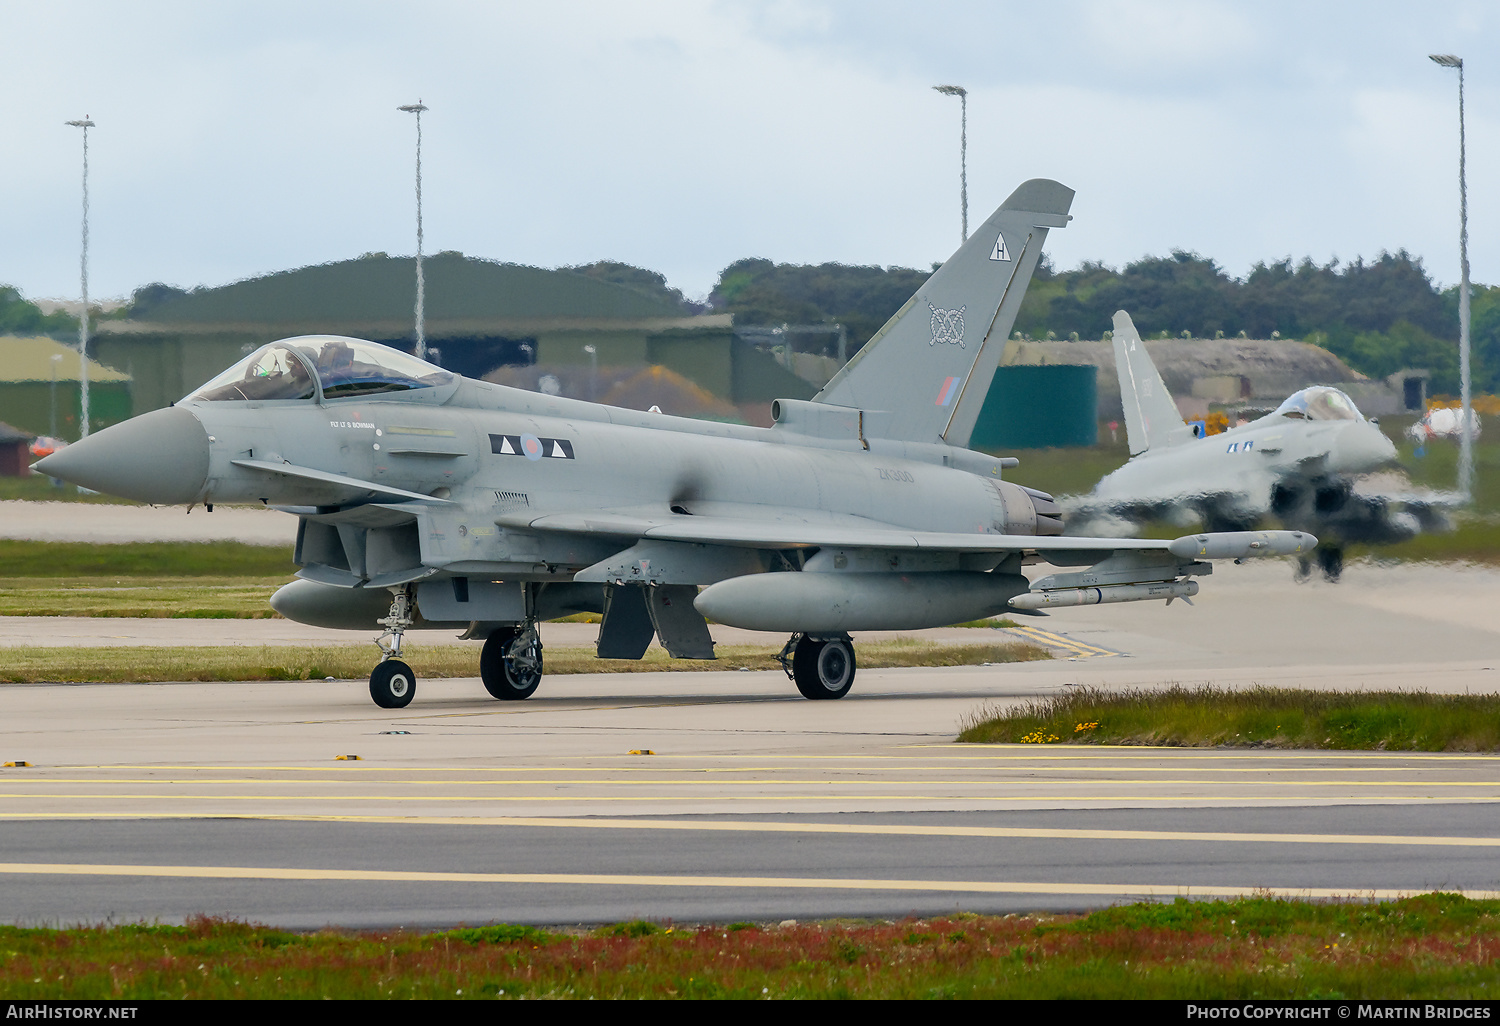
(682, 629)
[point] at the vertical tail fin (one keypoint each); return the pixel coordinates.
(929, 368)
(1151, 417)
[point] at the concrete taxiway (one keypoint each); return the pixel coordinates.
(116, 522)
(162, 801)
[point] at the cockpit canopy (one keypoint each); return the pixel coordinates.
(1320, 402)
(327, 365)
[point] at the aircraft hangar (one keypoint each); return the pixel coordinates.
(40, 386)
(1230, 374)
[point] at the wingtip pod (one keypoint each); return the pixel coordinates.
(1242, 544)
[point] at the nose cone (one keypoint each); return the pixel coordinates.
(160, 457)
(1360, 448)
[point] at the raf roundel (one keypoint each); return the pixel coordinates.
(532, 447)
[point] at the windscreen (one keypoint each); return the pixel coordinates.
(275, 371)
(299, 368)
(1320, 402)
(350, 367)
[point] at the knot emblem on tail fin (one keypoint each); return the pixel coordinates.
(947, 326)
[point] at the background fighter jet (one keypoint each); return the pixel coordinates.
(430, 500)
(1298, 465)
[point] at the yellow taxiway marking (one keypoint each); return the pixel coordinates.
(1080, 650)
(839, 780)
(722, 777)
(960, 753)
(509, 774)
(688, 880)
(1050, 796)
(871, 829)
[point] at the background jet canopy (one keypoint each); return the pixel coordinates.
(1320, 402)
(340, 367)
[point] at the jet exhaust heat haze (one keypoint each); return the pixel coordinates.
(429, 500)
(1300, 465)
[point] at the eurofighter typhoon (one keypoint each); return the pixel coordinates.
(428, 500)
(1299, 465)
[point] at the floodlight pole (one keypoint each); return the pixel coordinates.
(417, 109)
(963, 149)
(1466, 433)
(83, 315)
(52, 418)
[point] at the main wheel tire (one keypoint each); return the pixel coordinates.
(823, 669)
(392, 684)
(510, 676)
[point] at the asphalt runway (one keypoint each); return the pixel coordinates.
(379, 873)
(164, 801)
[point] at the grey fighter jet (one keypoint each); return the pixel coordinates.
(427, 500)
(1297, 465)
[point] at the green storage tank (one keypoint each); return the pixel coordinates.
(1039, 407)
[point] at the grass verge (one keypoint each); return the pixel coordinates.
(1472, 540)
(246, 598)
(1427, 946)
(1209, 716)
(146, 560)
(39, 488)
(143, 664)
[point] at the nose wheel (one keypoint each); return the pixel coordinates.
(822, 668)
(392, 684)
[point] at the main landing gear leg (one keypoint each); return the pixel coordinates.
(822, 668)
(392, 684)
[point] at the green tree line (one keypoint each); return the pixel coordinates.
(759, 292)
(19, 316)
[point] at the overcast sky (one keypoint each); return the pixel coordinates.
(236, 139)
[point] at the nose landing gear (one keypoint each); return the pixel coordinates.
(392, 683)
